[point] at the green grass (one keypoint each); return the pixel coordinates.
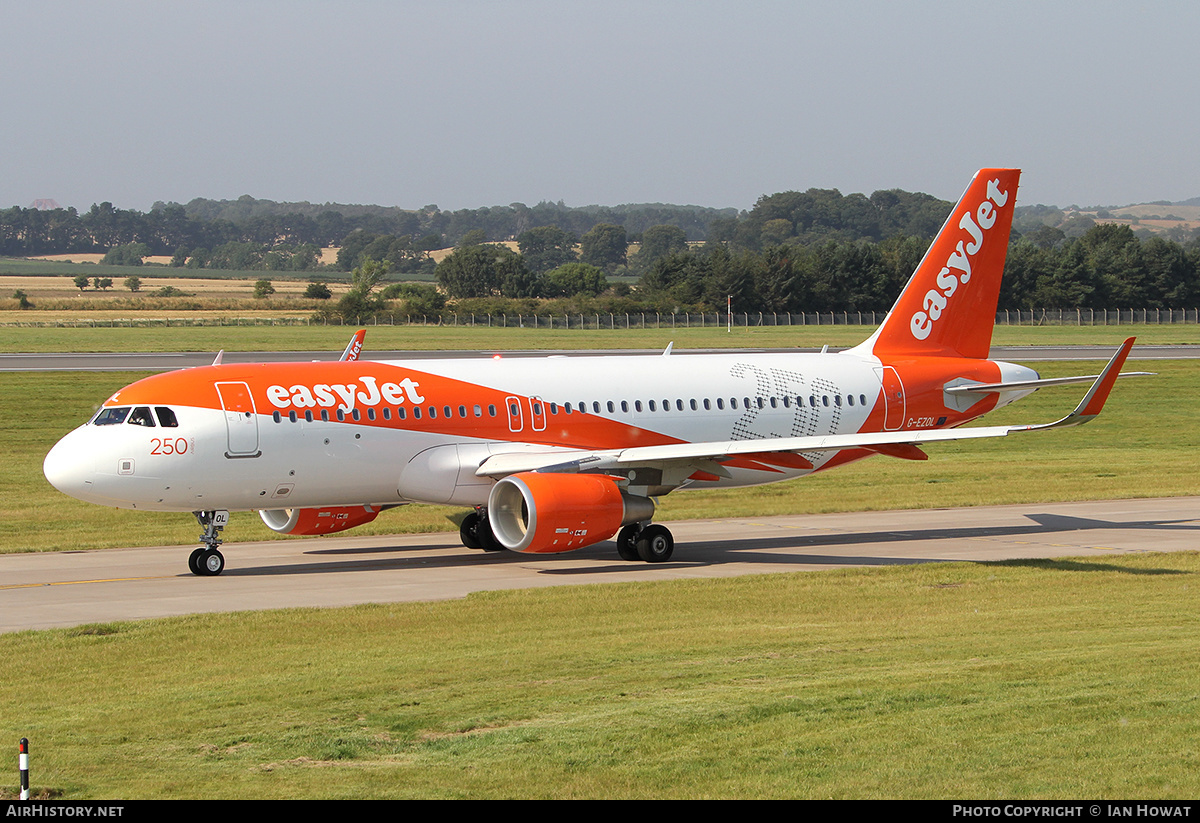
(1025, 679)
(1142, 446)
(432, 338)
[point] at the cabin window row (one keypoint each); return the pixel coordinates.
(705, 404)
(386, 413)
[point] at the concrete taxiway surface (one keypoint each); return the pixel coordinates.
(70, 588)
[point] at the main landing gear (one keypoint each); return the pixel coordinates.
(652, 543)
(207, 561)
(476, 532)
(649, 542)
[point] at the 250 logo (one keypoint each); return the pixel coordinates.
(165, 445)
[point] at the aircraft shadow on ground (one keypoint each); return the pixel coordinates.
(766, 551)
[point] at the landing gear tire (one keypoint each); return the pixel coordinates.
(627, 542)
(194, 561)
(655, 544)
(211, 563)
(468, 531)
(476, 533)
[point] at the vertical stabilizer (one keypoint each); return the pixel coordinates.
(948, 307)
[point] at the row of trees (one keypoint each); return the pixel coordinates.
(1107, 266)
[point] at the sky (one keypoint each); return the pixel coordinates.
(465, 103)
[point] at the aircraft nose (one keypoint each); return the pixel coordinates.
(66, 470)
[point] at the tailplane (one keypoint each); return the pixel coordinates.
(948, 307)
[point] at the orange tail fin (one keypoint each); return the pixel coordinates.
(948, 307)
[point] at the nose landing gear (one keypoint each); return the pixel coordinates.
(207, 561)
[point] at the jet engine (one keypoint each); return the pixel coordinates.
(546, 513)
(318, 520)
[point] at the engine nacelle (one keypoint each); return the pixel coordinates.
(319, 520)
(548, 513)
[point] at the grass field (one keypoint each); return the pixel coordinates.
(1142, 446)
(1030, 679)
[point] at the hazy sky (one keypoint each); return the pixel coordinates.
(468, 103)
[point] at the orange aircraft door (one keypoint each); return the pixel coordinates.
(893, 399)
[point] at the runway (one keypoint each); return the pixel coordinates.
(62, 589)
(167, 361)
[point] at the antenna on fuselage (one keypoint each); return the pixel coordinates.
(217, 359)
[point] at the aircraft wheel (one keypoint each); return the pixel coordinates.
(468, 531)
(211, 563)
(627, 543)
(655, 544)
(194, 561)
(476, 533)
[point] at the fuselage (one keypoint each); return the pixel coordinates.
(271, 436)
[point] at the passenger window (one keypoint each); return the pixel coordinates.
(491, 410)
(611, 407)
(721, 403)
(478, 410)
(292, 415)
(166, 417)
(141, 417)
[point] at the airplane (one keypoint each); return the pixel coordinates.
(554, 454)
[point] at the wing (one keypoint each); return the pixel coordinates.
(681, 460)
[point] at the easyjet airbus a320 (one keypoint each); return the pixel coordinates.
(553, 454)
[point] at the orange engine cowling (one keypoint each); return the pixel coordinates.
(318, 520)
(545, 513)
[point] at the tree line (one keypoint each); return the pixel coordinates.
(816, 250)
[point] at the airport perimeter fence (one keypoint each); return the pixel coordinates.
(638, 320)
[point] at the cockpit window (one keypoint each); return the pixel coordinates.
(141, 417)
(166, 417)
(111, 416)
